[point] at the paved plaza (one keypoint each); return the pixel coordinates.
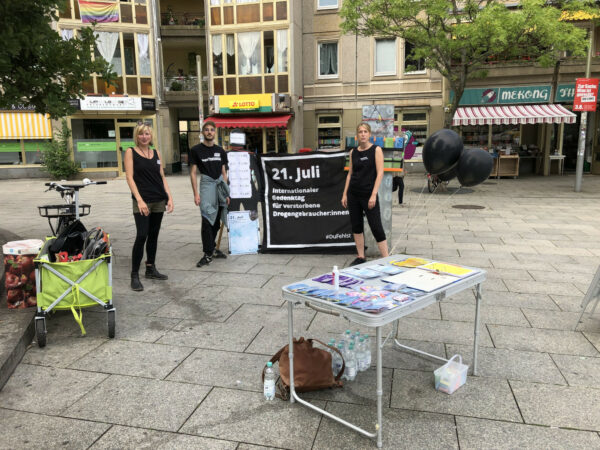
(184, 368)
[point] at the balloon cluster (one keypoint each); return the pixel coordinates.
(444, 156)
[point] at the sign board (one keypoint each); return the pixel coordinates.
(380, 118)
(237, 138)
(111, 104)
(240, 178)
(586, 94)
(243, 232)
(244, 105)
(504, 95)
(302, 206)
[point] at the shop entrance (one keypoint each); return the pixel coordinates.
(124, 141)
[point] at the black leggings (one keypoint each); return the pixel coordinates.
(359, 204)
(147, 229)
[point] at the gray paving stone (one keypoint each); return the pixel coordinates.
(46, 390)
(534, 287)
(361, 391)
(139, 402)
(401, 429)
(440, 331)
(257, 296)
(510, 364)
(132, 328)
(541, 340)
(26, 430)
(478, 397)
(508, 274)
(299, 272)
(560, 320)
(489, 314)
(203, 307)
(235, 279)
(247, 417)
(127, 437)
(223, 369)
(140, 359)
(594, 338)
(568, 302)
(233, 337)
(559, 406)
(481, 433)
(579, 370)
(276, 282)
(63, 351)
(398, 358)
(243, 446)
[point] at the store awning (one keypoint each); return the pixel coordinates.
(251, 121)
(24, 125)
(514, 114)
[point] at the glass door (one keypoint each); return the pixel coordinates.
(124, 141)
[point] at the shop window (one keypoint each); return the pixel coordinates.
(417, 122)
(10, 152)
(271, 135)
(94, 142)
(282, 141)
(33, 150)
(385, 56)
(411, 64)
(328, 59)
(327, 4)
(329, 131)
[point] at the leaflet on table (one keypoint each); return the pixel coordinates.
(449, 269)
(424, 280)
(362, 272)
(345, 281)
(410, 262)
(386, 269)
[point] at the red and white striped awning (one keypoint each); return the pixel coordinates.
(514, 114)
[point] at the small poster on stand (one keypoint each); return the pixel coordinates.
(244, 232)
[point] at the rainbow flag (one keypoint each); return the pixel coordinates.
(98, 11)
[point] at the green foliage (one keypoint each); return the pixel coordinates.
(458, 39)
(37, 67)
(56, 156)
(176, 86)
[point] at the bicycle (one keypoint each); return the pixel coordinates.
(71, 211)
(434, 181)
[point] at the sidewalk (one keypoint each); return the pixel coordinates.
(184, 368)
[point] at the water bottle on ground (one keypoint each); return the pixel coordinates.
(269, 385)
(346, 337)
(337, 360)
(351, 369)
(361, 356)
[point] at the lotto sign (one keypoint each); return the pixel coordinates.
(244, 104)
(586, 93)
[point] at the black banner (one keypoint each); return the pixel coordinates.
(302, 206)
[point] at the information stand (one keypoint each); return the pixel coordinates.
(378, 321)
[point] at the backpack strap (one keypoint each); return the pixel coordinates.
(341, 372)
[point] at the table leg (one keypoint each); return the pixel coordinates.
(291, 348)
(379, 425)
(476, 337)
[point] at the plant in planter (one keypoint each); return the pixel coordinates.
(56, 156)
(172, 20)
(176, 86)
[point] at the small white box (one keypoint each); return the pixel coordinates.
(451, 375)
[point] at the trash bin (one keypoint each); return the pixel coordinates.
(19, 271)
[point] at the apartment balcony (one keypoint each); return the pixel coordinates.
(183, 89)
(182, 24)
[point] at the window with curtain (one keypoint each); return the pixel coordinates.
(385, 56)
(107, 46)
(66, 34)
(230, 54)
(269, 52)
(143, 54)
(249, 61)
(412, 64)
(328, 60)
(282, 53)
(217, 50)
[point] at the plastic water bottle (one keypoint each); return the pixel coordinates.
(361, 356)
(337, 359)
(351, 369)
(356, 339)
(269, 385)
(368, 350)
(346, 337)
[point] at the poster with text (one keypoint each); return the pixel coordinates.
(302, 206)
(243, 232)
(243, 181)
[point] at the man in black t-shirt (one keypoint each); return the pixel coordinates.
(211, 161)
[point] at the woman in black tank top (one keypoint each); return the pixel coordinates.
(151, 197)
(360, 192)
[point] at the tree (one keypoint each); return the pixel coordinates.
(37, 67)
(458, 39)
(56, 155)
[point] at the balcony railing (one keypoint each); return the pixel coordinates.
(184, 84)
(183, 18)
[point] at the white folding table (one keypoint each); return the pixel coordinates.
(378, 321)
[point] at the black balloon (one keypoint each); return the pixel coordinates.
(441, 151)
(447, 176)
(474, 167)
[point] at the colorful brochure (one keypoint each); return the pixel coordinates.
(449, 269)
(362, 272)
(345, 281)
(387, 269)
(410, 262)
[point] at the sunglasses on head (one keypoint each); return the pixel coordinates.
(144, 122)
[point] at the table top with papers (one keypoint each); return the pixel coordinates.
(396, 286)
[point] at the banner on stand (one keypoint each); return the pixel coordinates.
(302, 205)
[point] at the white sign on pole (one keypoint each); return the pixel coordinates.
(240, 176)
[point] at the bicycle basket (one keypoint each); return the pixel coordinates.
(56, 211)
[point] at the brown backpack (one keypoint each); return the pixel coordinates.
(312, 368)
